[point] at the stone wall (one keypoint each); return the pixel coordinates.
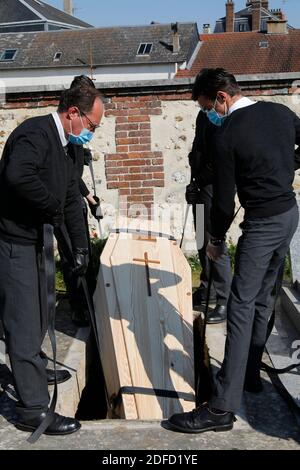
(140, 152)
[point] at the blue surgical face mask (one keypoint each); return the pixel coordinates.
(83, 138)
(214, 116)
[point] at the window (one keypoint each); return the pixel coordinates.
(144, 48)
(8, 55)
(242, 27)
(57, 56)
(263, 44)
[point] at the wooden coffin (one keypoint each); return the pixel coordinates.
(143, 303)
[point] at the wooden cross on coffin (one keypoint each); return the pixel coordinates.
(147, 261)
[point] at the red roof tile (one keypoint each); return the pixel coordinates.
(241, 54)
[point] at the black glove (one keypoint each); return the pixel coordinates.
(95, 209)
(87, 155)
(81, 256)
(55, 219)
(192, 193)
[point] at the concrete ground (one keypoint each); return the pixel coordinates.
(265, 421)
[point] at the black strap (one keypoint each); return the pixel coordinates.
(51, 306)
(62, 238)
(277, 288)
(147, 233)
(157, 392)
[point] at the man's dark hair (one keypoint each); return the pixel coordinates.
(82, 80)
(83, 97)
(209, 81)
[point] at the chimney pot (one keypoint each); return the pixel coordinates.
(256, 15)
(68, 6)
(229, 16)
(206, 28)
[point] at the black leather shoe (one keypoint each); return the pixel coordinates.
(217, 315)
(62, 376)
(200, 296)
(201, 420)
(60, 425)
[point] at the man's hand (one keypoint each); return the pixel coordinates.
(81, 256)
(94, 205)
(214, 252)
(56, 219)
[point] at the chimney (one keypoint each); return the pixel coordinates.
(277, 27)
(176, 38)
(229, 16)
(265, 4)
(256, 15)
(206, 28)
(68, 6)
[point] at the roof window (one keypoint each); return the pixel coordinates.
(8, 55)
(57, 56)
(145, 48)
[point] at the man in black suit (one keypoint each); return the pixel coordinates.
(200, 159)
(255, 155)
(39, 184)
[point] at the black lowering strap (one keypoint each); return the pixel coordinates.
(151, 392)
(51, 306)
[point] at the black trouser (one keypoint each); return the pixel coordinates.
(221, 268)
(260, 253)
(25, 324)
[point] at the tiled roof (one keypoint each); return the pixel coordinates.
(243, 54)
(14, 11)
(110, 46)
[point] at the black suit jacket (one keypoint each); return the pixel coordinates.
(36, 177)
(200, 157)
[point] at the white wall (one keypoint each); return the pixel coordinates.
(55, 76)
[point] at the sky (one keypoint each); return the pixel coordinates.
(141, 12)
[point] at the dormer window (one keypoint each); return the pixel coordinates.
(145, 48)
(8, 55)
(57, 56)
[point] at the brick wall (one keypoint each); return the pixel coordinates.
(135, 170)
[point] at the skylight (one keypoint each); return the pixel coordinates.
(8, 55)
(145, 48)
(57, 56)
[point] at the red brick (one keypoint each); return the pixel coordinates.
(127, 127)
(120, 99)
(121, 120)
(132, 162)
(141, 148)
(138, 155)
(113, 186)
(158, 176)
(121, 135)
(116, 171)
(135, 184)
(146, 125)
(142, 177)
(116, 112)
(145, 140)
(135, 169)
(157, 161)
(142, 191)
(125, 192)
(116, 156)
(138, 118)
(140, 133)
(128, 141)
(111, 164)
(122, 148)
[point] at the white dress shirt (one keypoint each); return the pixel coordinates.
(241, 103)
(61, 132)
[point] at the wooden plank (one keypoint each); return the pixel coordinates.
(152, 326)
(184, 290)
(110, 332)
